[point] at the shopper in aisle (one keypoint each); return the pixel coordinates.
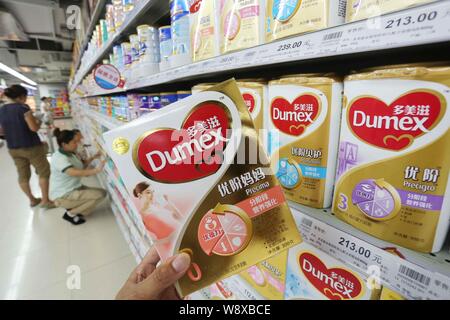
(47, 117)
(2, 136)
(20, 129)
(151, 282)
(65, 183)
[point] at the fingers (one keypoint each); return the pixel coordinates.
(165, 275)
(147, 265)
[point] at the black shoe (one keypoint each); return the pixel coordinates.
(74, 220)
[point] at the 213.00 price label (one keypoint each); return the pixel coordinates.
(410, 20)
(354, 247)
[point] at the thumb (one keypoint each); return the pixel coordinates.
(165, 275)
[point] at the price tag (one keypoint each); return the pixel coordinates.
(440, 287)
(408, 279)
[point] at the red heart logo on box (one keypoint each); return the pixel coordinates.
(195, 6)
(293, 118)
(395, 126)
(193, 152)
(249, 101)
(334, 283)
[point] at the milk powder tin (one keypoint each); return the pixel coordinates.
(148, 44)
(135, 48)
(118, 53)
(127, 54)
(128, 5)
(180, 30)
(303, 122)
(165, 43)
(134, 105)
(290, 17)
(394, 156)
(194, 195)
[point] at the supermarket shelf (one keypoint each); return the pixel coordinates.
(62, 118)
(128, 221)
(94, 19)
(395, 30)
(105, 121)
(349, 245)
(125, 233)
(102, 92)
(137, 222)
(142, 7)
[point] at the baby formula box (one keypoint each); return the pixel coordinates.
(134, 105)
(144, 105)
(255, 96)
(303, 123)
(363, 9)
(268, 278)
(183, 94)
(204, 30)
(168, 98)
(290, 17)
(241, 24)
(394, 155)
(388, 294)
(217, 291)
(154, 101)
(314, 275)
(191, 179)
(202, 86)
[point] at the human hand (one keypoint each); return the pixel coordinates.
(101, 166)
(149, 282)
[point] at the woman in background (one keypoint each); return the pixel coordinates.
(26, 149)
(65, 183)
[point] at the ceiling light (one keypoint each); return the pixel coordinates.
(16, 74)
(28, 86)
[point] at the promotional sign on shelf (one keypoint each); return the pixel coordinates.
(108, 77)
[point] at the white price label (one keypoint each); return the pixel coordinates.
(410, 280)
(344, 247)
(440, 287)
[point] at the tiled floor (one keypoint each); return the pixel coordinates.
(41, 254)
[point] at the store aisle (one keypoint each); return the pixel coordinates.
(39, 251)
